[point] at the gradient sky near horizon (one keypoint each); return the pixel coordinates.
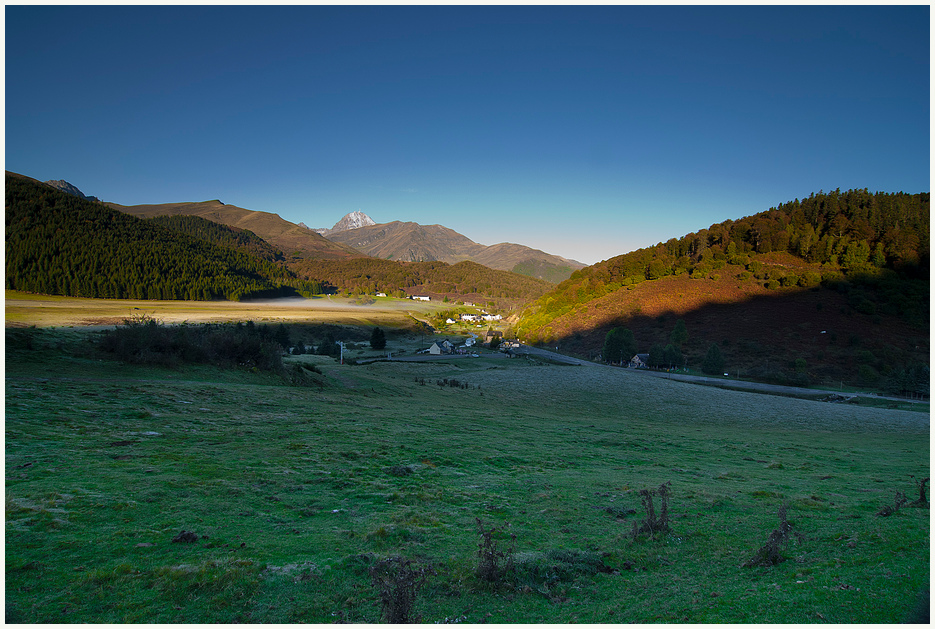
(586, 132)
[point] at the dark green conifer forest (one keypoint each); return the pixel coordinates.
(59, 244)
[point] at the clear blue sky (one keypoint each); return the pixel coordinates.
(583, 131)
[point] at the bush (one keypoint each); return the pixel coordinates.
(770, 553)
(538, 569)
(654, 524)
(145, 340)
(494, 564)
(397, 583)
(868, 375)
(713, 361)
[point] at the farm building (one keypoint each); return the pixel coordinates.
(441, 347)
(640, 361)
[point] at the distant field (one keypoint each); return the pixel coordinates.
(292, 493)
(24, 309)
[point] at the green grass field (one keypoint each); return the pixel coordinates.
(292, 493)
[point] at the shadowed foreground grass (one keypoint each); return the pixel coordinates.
(292, 494)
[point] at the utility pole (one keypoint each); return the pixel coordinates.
(341, 343)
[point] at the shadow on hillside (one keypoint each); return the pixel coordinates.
(849, 334)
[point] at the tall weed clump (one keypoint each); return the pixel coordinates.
(398, 582)
(654, 524)
(494, 563)
(770, 554)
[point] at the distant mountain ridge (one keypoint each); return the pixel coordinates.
(294, 240)
(412, 242)
(356, 234)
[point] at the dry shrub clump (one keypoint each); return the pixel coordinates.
(922, 502)
(398, 581)
(493, 563)
(652, 523)
(901, 500)
(770, 553)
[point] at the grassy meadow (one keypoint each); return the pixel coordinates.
(290, 494)
(25, 309)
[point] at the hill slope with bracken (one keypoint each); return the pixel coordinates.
(830, 288)
(295, 241)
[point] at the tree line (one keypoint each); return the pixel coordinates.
(373, 275)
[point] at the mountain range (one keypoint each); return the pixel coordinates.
(356, 234)
(295, 241)
(61, 243)
(829, 288)
(412, 242)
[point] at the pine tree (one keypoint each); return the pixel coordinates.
(377, 339)
(713, 361)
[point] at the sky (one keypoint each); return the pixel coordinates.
(586, 132)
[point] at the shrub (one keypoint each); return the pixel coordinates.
(898, 502)
(770, 553)
(397, 583)
(809, 279)
(654, 524)
(713, 363)
(545, 568)
(868, 375)
(145, 340)
(493, 563)
(922, 501)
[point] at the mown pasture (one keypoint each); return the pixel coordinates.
(291, 494)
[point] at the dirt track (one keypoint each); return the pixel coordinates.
(726, 383)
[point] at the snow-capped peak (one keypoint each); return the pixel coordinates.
(352, 221)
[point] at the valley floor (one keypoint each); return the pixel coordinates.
(292, 494)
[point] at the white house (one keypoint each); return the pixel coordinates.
(381, 294)
(640, 361)
(421, 298)
(435, 350)
(468, 317)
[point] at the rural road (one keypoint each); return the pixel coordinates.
(757, 387)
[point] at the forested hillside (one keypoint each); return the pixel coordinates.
(221, 235)
(855, 264)
(60, 244)
(462, 281)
